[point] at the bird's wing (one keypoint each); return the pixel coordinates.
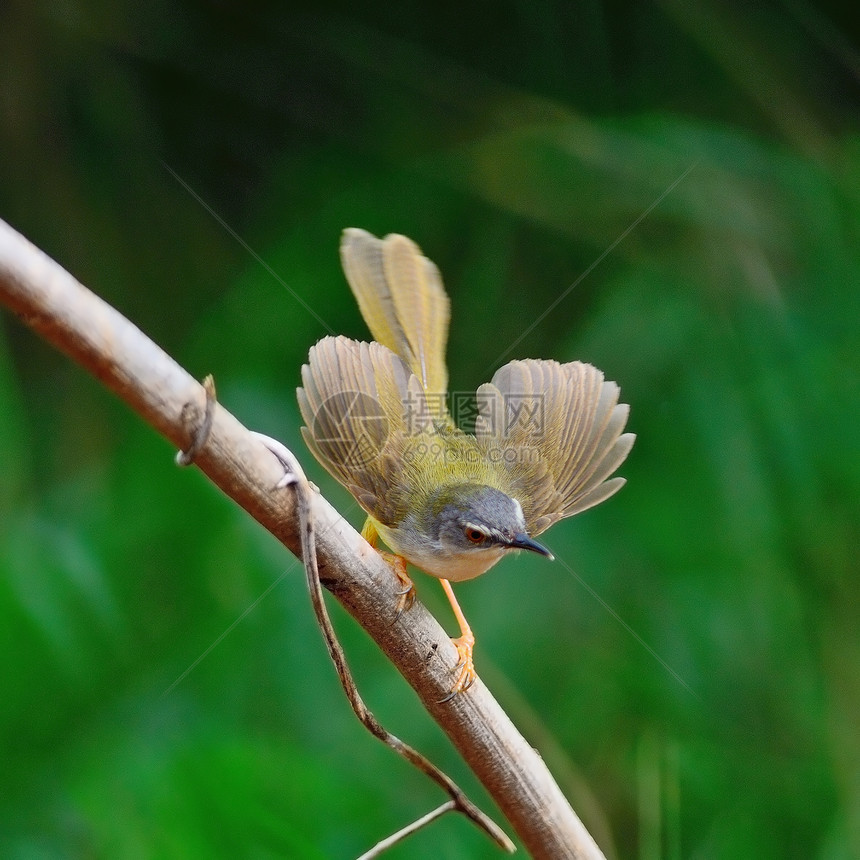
(362, 407)
(401, 297)
(555, 431)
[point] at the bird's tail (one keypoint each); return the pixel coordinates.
(403, 302)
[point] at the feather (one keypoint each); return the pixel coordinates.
(403, 302)
(560, 426)
(354, 401)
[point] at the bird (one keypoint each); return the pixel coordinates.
(547, 438)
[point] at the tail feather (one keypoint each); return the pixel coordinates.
(403, 302)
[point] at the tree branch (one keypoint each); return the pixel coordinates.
(116, 352)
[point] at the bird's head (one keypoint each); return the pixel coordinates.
(467, 528)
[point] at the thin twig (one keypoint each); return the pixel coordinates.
(295, 477)
(391, 841)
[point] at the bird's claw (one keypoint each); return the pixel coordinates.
(406, 596)
(466, 665)
(405, 599)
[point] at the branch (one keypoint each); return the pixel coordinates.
(401, 834)
(116, 352)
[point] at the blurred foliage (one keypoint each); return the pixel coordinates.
(669, 190)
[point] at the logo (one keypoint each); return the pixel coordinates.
(353, 425)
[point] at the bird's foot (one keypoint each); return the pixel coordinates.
(466, 677)
(398, 566)
(407, 594)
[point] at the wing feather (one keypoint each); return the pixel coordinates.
(360, 404)
(556, 429)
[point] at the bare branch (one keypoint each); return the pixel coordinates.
(84, 327)
(391, 841)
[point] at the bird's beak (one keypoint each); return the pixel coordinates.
(523, 541)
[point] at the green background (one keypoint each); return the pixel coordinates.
(694, 682)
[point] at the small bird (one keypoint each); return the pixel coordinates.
(547, 436)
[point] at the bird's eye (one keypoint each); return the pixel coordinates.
(475, 536)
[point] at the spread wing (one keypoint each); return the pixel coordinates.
(556, 431)
(362, 406)
(403, 302)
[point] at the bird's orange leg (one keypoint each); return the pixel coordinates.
(396, 563)
(464, 645)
